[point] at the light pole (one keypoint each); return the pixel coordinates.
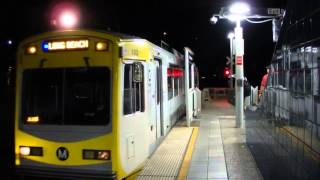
(236, 13)
(239, 45)
(230, 37)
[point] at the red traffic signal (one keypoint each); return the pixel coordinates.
(226, 72)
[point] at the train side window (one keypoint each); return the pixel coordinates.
(196, 77)
(127, 91)
(190, 77)
(133, 92)
(170, 83)
(176, 86)
(181, 87)
(308, 81)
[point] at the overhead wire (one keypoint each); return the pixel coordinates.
(257, 22)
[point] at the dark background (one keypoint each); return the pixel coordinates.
(185, 22)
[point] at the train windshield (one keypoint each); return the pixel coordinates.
(66, 96)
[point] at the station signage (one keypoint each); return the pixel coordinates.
(275, 11)
(65, 45)
(239, 60)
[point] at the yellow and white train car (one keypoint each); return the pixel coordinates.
(93, 105)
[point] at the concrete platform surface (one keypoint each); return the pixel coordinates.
(220, 152)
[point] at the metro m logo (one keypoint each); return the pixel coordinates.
(62, 153)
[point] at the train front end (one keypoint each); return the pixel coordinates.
(66, 106)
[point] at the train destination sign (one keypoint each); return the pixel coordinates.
(61, 45)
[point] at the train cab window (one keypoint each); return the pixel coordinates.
(133, 92)
(67, 96)
(42, 95)
(88, 96)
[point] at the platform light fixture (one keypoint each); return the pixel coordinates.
(230, 35)
(68, 20)
(236, 13)
(214, 19)
(240, 8)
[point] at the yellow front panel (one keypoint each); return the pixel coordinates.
(69, 59)
(136, 49)
(131, 49)
(104, 142)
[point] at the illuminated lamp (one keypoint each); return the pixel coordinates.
(226, 72)
(230, 35)
(68, 20)
(25, 151)
(30, 151)
(103, 155)
(239, 8)
(238, 11)
(177, 72)
(180, 73)
(33, 119)
(101, 46)
(31, 50)
(96, 154)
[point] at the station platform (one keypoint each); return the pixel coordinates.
(212, 148)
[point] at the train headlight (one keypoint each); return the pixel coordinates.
(31, 151)
(25, 151)
(31, 49)
(96, 154)
(101, 46)
(104, 155)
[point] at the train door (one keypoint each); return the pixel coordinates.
(154, 104)
(159, 99)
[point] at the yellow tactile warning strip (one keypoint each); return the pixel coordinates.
(188, 155)
(165, 163)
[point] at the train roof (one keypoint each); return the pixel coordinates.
(49, 33)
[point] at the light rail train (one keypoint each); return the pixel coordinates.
(95, 105)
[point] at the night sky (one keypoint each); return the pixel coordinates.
(186, 23)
